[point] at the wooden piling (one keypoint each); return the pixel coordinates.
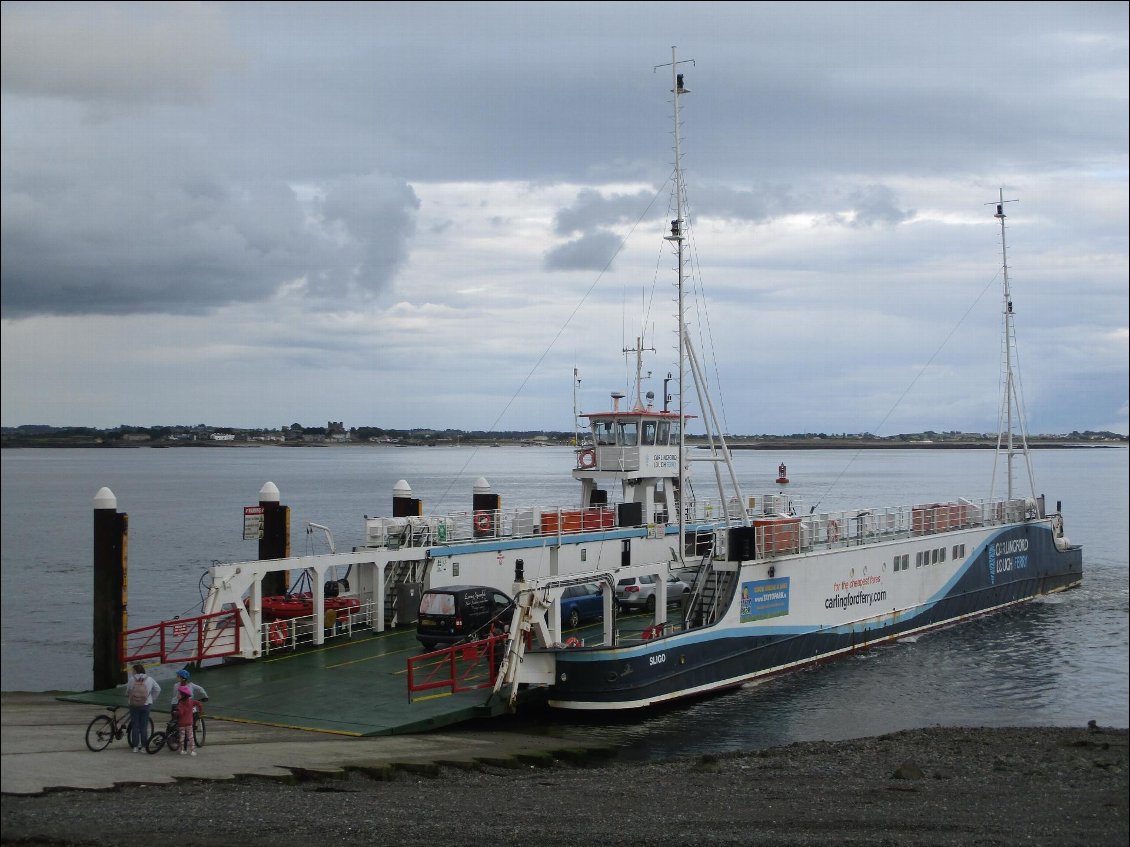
(111, 589)
(275, 543)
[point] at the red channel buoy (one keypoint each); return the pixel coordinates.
(782, 478)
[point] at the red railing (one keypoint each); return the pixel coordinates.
(463, 667)
(184, 639)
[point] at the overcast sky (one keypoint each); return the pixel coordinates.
(426, 215)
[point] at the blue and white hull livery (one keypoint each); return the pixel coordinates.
(790, 611)
(796, 610)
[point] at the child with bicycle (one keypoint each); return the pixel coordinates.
(185, 678)
(185, 712)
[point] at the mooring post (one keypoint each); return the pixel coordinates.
(111, 589)
(275, 543)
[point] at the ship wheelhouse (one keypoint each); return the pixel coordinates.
(640, 450)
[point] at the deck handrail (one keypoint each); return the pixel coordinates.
(832, 527)
(179, 640)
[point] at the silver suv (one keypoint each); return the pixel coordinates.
(638, 592)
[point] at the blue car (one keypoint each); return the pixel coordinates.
(580, 603)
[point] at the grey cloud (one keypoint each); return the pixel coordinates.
(593, 209)
(83, 246)
(758, 205)
(591, 252)
(862, 205)
(873, 205)
(379, 215)
(114, 59)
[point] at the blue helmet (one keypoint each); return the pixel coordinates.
(183, 674)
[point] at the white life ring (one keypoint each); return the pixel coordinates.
(587, 459)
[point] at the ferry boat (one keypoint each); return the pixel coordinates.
(773, 590)
(771, 587)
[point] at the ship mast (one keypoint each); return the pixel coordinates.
(677, 238)
(719, 451)
(1010, 396)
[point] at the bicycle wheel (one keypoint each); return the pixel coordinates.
(100, 733)
(199, 731)
(172, 740)
(129, 725)
(156, 742)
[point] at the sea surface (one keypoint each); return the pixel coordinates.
(1058, 661)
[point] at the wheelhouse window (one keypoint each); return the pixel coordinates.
(605, 433)
(629, 433)
(648, 438)
(663, 436)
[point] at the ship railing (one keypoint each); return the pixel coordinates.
(455, 669)
(484, 524)
(784, 534)
(182, 640)
(611, 458)
(293, 633)
(802, 531)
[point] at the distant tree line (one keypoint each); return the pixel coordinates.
(31, 435)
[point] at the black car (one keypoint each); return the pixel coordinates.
(456, 613)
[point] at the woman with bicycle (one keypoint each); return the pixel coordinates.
(141, 692)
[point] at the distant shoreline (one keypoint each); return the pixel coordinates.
(781, 445)
(913, 445)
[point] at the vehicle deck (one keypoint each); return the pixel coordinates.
(355, 686)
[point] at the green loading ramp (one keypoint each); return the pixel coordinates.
(352, 687)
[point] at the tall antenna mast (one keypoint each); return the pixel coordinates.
(1010, 398)
(677, 237)
(639, 350)
(576, 413)
(719, 452)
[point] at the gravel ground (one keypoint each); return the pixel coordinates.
(922, 787)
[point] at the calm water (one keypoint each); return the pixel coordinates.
(1058, 661)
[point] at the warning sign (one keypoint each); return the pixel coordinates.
(252, 522)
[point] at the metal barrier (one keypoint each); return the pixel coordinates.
(831, 528)
(292, 633)
(184, 639)
(461, 667)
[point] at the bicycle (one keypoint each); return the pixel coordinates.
(106, 728)
(169, 737)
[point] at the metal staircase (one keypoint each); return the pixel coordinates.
(713, 589)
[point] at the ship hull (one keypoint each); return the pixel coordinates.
(808, 614)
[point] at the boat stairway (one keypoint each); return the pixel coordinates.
(711, 594)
